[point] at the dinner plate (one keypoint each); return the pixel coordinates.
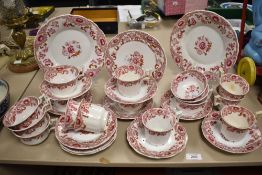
(83, 140)
(139, 48)
(136, 139)
(211, 126)
(71, 40)
(205, 41)
(147, 91)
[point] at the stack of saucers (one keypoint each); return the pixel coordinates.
(231, 90)
(62, 83)
(129, 92)
(189, 95)
(86, 128)
(28, 120)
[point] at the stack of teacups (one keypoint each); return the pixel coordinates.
(28, 120)
(231, 90)
(190, 89)
(127, 92)
(84, 123)
(236, 122)
(62, 83)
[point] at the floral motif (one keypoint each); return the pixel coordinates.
(71, 49)
(191, 91)
(202, 45)
(136, 58)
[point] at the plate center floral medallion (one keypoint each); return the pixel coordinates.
(202, 45)
(136, 58)
(71, 49)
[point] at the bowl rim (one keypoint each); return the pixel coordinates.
(7, 87)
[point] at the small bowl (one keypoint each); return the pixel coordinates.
(4, 97)
(233, 86)
(189, 85)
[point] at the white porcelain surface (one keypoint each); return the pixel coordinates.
(35, 130)
(188, 111)
(211, 127)
(131, 113)
(70, 40)
(175, 144)
(82, 139)
(205, 41)
(21, 111)
(83, 85)
(90, 151)
(36, 139)
(148, 90)
(138, 48)
(59, 106)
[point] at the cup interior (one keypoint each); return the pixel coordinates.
(128, 73)
(237, 117)
(61, 74)
(189, 85)
(234, 84)
(158, 120)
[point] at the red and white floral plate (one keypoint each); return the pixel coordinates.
(205, 41)
(59, 107)
(83, 85)
(123, 115)
(90, 151)
(211, 130)
(148, 91)
(83, 140)
(139, 48)
(71, 40)
(136, 139)
(187, 112)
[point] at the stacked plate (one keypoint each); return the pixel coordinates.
(27, 120)
(189, 95)
(136, 62)
(80, 136)
(70, 40)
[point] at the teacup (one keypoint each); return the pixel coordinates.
(221, 101)
(236, 121)
(85, 116)
(189, 85)
(158, 124)
(129, 79)
(62, 79)
(233, 86)
(24, 109)
(93, 118)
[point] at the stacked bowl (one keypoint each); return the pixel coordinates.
(231, 89)
(189, 95)
(27, 120)
(62, 83)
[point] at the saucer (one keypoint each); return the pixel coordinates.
(90, 151)
(211, 130)
(83, 85)
(123, 115)
(83, 140)
(62, 104)
(136, 139)
(188, 112)
(148, 90)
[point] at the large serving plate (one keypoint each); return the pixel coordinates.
(71, 40)
(205, 41)
(139, 48)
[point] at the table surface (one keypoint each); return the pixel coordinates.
(120, 154)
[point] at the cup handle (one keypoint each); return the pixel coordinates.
(176, 113)
(217, 100)
(52, 124)
(45, 102)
